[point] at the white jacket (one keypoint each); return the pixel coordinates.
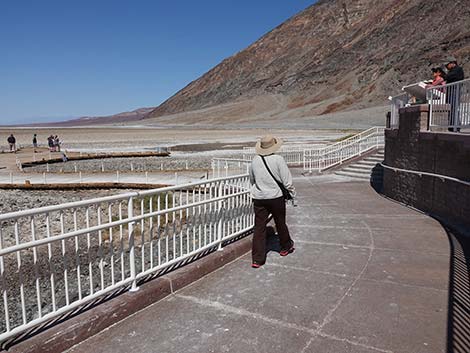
(263, 186)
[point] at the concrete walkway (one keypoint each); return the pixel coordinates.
(368, 275)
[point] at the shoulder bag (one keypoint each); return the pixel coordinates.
(285, 193)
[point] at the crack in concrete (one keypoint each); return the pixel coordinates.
(368, 247)
(341, 275)
(242, 312)
(353, 343)
(330, 313)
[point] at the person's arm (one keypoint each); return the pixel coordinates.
(252, 175)
(286, 176)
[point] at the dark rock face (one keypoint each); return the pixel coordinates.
(356, 51)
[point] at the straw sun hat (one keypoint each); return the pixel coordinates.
(268, 145)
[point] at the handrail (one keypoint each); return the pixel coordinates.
(365, 132)
(420, 173)
(118, 197)
(59, 258)
(326, 157)
(449, 105)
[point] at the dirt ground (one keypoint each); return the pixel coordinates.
(141, 137)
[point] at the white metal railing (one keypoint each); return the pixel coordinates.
(292, 154)
(397, 102)
(449, 105)
(319, 159)
(59, 258)
(224, 167)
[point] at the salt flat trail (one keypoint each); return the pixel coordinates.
(368, 275)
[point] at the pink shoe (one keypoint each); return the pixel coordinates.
(287, 252)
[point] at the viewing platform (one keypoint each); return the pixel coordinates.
(168, 269)
(368, 275)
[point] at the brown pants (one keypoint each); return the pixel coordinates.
(263, 208)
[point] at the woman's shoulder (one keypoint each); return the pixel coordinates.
(278, 158)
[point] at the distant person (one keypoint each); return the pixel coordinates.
(57, 143)
(35, 142)
(454, 74)
(12, 142)
(454, 71)
(50, 143)
(269, 174)
(439, 77)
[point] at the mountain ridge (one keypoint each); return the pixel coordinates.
(356, 50)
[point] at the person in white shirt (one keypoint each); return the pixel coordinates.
(266, 171)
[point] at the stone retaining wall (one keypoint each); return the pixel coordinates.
(413, 147)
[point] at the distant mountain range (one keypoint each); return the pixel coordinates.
(337, 55)
(126, 117)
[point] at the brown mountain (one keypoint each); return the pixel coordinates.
(336, 55)
(125, 117)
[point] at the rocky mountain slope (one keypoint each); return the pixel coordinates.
(334, 56)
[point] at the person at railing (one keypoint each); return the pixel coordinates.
(454, 71)
(439, 77)
(50, 143)
(454, 74)
(269, 174)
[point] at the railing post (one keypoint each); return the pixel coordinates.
(132, 265)
(220, 206)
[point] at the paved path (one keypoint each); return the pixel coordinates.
(368, 276)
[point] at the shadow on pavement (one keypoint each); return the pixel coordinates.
(377, 178)
(458, 312)
(458, 323)
(272, 240)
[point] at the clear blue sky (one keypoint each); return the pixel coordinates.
(61, 59)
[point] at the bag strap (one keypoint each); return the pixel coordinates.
(269, 170)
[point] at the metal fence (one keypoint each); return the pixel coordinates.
(224, 167)
(449, 105)
(56, 260)
(292, 154)
(397, 102)
(327, 157)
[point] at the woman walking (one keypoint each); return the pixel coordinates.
(269, 174)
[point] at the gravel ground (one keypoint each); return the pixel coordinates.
(17, 200)
(122, 165)
(180, 161)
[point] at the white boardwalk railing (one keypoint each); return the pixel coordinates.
(449, 105)
(319, 159)
(293, 154)
(59, 258)
(224, 167)
(397, 103)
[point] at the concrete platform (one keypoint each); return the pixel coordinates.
(368, 275)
